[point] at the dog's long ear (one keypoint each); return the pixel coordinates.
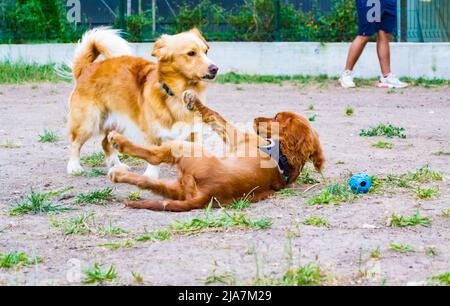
(160, 50)
(296, 143)
(199, 35)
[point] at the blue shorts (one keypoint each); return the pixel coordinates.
(371, 20)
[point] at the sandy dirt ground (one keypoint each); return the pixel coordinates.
(342, 250)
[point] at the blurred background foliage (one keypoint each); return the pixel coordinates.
(246, 20)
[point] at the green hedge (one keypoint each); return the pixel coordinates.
(44, 20)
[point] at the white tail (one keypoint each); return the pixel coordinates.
(101, 40)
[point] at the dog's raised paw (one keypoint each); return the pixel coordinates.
(189, 97)
(114, 139)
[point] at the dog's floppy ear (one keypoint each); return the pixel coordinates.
(199, 35)
(160, 48)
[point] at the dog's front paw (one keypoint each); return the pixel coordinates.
(116, 173)
(189, 97)
(116, 140)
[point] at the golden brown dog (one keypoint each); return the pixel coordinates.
(136, 97)
(255, 175)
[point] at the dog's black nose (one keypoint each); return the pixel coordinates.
(213, 69)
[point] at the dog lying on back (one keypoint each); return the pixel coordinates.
(136, 97)
(204, 177)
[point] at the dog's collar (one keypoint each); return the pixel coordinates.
(167, 90)
(273, 149)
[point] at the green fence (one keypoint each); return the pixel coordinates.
(425, 21)
(24, 21)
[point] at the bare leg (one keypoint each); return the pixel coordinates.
(383, 51)
(355, 51)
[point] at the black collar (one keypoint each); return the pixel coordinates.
(167, 90)
(273, 149)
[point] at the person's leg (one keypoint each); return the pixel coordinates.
(383, 51)
(355, 51)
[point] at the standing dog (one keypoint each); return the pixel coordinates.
(204, 177)
(133, 96)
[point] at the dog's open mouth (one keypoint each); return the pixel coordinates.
(209, 77)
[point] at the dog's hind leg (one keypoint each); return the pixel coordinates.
(199, 201)
(172, 190)
(83, 122)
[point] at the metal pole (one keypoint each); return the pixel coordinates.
(153, 17)
(276, 19)
(122, 14)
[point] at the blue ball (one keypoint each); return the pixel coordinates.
(360, 183)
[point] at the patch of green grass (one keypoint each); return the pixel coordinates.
(239, 88)
(425, 174)
(388, 130)
(316, 221)
(223, 220)
(36, 202)
(95, 197)
(94, 159)
(111, 245)
(307, 275)
(17, 260)
(333, 193)
(340, 162)
(446, 213)
(441, 279)
(109, 229)
(375, 254)
(311, 107)
(96, 275)
(225, 279)
(442, 153)
(20, 73)
(80, 225)
(425, 82)
(235, 78)
(383, 145)
(426, 193)
(306, 177)
(349, 111)
(408, 180)
(431, 251)
(391, 91)
(240, 204)
(288, 192)
(129, 160)
(134, 196)
(128, 243)
(48, 136)
(416, 219)
(94, 172)
(243, 202)
(402, 248)
(138, 278)
(152, 236)
(9, 144)
(312, 118)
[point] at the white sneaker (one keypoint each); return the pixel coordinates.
(391, 81)
(346, 79)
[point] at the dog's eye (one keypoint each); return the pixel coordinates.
(191, 53)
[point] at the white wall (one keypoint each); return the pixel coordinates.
(429, 60)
